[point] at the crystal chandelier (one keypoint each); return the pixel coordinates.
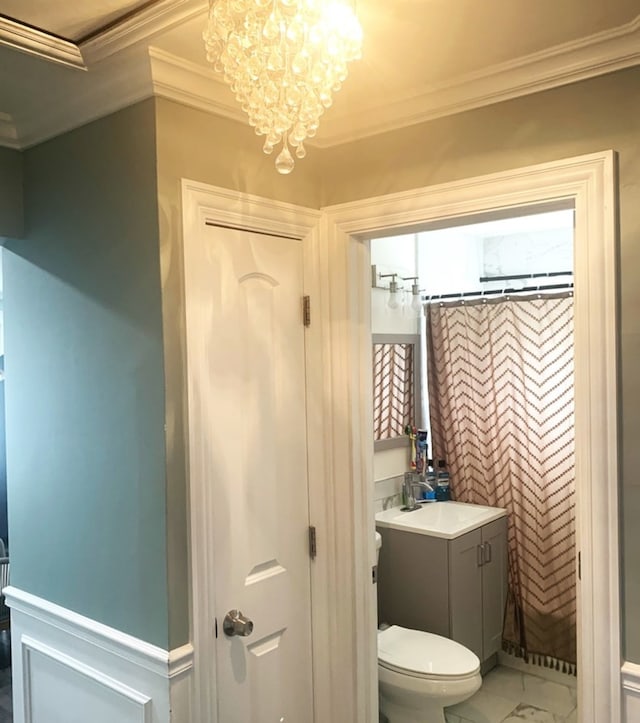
(282, 60)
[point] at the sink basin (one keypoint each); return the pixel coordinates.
(440, 519)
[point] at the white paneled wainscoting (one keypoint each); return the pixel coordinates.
(70, 669)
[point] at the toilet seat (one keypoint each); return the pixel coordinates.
(424, 655)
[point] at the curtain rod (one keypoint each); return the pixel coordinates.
(502, 292)
(543, 274)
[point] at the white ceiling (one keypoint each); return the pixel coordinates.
(421, 59)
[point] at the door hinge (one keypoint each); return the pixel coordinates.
(579, 566)
(374, 574)
(215, 620)
(313, 545)
(306, 310)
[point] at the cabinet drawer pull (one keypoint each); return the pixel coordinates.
(480, 552)
(487, 552)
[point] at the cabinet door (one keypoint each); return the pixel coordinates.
(494, 584)
(465, 585)
(412, 581)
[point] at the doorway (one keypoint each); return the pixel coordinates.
(589, 184)
(251, 566)
(492, 304)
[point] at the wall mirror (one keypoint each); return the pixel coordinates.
(396, 387)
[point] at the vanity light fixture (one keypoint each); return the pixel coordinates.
(394, 300)
(416, 301)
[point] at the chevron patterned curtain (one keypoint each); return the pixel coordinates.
(500, 376)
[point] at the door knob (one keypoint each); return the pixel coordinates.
(235, 623)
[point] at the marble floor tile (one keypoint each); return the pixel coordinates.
(511, 696)
(555, 676)
(484, 708)
(551, 696)
(533, 714)
(572, 717)
(453, 718)
(505, 682)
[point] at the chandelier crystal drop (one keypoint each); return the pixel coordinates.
(283, 59)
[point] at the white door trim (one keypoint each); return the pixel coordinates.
(342, 258)
(202, 203)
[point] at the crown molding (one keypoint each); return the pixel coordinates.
(125, 76)
(598, 54)
(150, 21)
(191, 84)
(43, 45)
(147, 22)
(121, 82)
(195, 86)
(595, 55)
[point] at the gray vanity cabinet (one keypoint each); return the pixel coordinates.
(478, 587)
(456, 588)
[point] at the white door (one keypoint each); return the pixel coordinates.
(254, 354)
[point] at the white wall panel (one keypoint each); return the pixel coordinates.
(70, 669)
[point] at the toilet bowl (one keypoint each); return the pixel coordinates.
(420, 674)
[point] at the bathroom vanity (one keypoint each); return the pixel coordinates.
(443, 569)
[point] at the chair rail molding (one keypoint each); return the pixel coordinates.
(63, 660)
(586, 183)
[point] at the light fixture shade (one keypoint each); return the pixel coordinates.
(283, 59)
(416, 300)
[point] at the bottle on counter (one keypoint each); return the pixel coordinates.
(443, 491)
(421, 451)
(430, 479)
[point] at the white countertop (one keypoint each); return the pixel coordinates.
(440, 519)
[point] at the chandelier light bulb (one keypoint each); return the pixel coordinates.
(283, 59)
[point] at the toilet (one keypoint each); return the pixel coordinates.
(420, 674)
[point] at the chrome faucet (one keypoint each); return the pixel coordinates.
(410, 482)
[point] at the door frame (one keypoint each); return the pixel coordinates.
(201, 203)
(589, 182)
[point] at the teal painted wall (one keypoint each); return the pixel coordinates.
(11, 211)
(85, 378)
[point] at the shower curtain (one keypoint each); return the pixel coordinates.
(500, 378)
